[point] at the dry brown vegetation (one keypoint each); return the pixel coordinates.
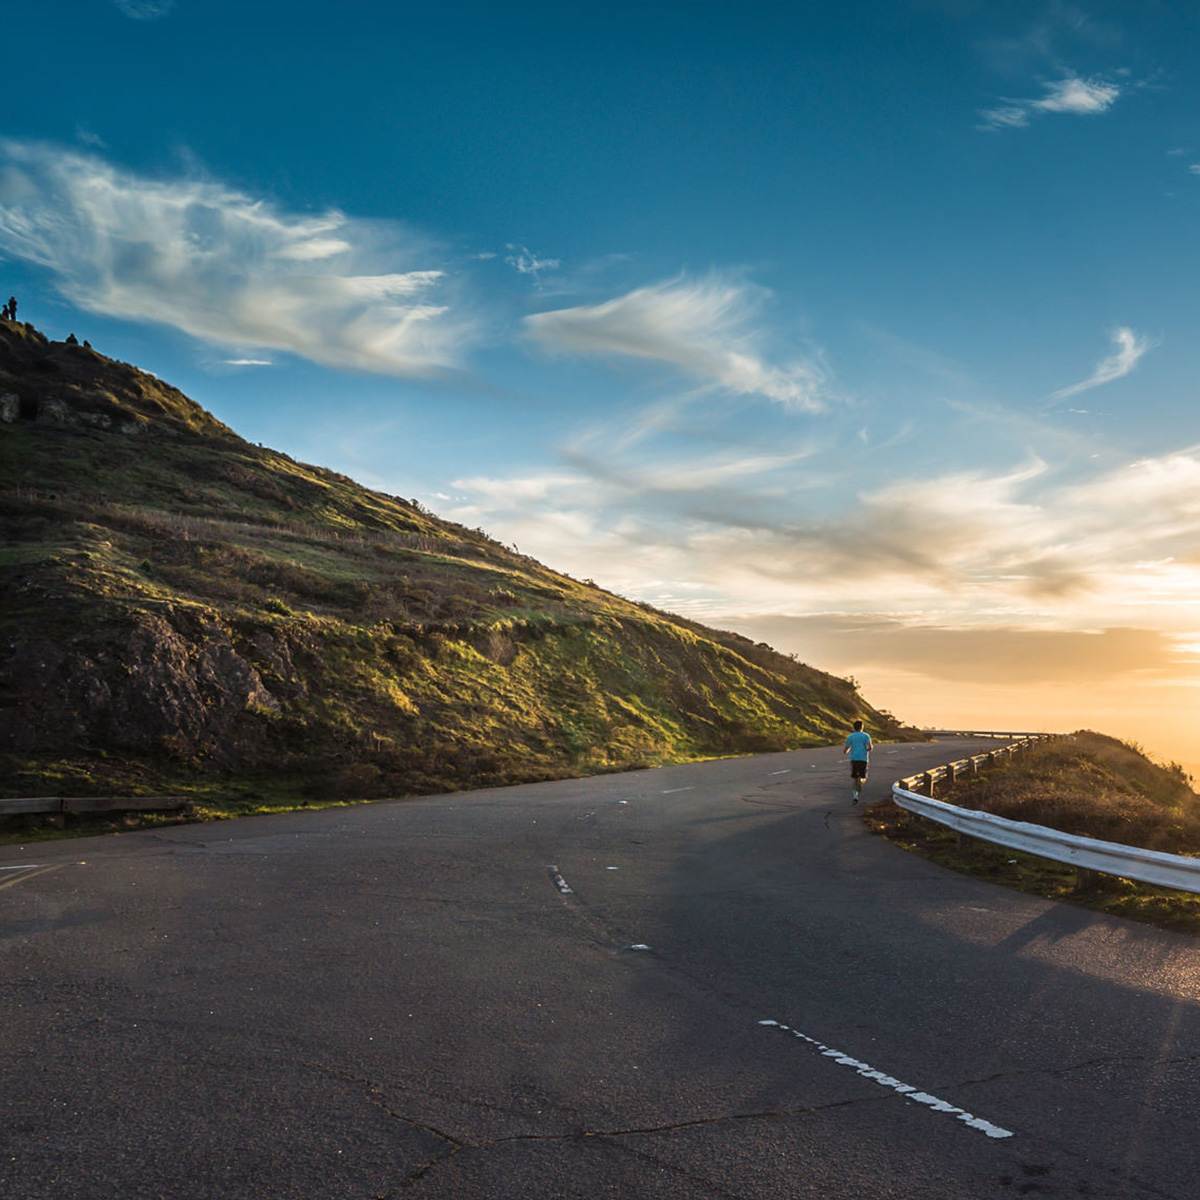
(1094, 786)
(1086, 784)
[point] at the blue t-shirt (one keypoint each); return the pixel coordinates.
(860, 746)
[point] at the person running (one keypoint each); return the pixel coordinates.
(858, 746)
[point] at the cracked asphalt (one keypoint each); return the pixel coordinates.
(398, 1000)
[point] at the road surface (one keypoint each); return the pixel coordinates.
(706, 981)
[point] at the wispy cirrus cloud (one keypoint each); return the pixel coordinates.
(702, 327)
(226, 267)
(1130, 349)
(145, 10)
(525, 262)
(1079, 97)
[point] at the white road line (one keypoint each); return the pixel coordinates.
(906, 1090)
(560, 882)
(787, 772)
(670, 791)
(21, 867)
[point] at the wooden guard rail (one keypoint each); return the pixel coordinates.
(58, 805)
(927, 782)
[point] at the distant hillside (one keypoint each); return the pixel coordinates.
(180, 606)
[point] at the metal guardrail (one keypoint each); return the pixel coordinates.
(1085, 854)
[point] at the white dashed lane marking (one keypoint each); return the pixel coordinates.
(672, 791)
(906, 1090)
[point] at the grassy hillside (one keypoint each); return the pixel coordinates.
(180, 608)
(1086, 784)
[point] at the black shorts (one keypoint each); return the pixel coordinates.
(858, 768)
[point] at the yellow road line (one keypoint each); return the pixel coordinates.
(28, 875)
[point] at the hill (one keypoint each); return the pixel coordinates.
(180, 608)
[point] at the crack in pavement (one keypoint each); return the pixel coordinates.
(1087, 1064)
(691, 1176)
(454, 1146)
(374, 1097)
(460, 1145)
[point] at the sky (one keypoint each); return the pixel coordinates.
(867, 329)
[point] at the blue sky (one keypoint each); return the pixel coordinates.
(867, 329)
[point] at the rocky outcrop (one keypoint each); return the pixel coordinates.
(154, 682)
(67, 385)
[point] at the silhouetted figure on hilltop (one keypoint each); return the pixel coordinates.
(10, 309)
(72, 340)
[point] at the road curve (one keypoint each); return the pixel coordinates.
(694, 982)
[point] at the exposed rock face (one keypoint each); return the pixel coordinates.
(66, 385)
(60, 415)
(172, 682)
(55, 412)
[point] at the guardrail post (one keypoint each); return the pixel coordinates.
(1085, 880)
(927, 780)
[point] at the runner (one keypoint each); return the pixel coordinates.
(858, 746)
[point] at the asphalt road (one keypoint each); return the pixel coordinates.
(697, 982)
